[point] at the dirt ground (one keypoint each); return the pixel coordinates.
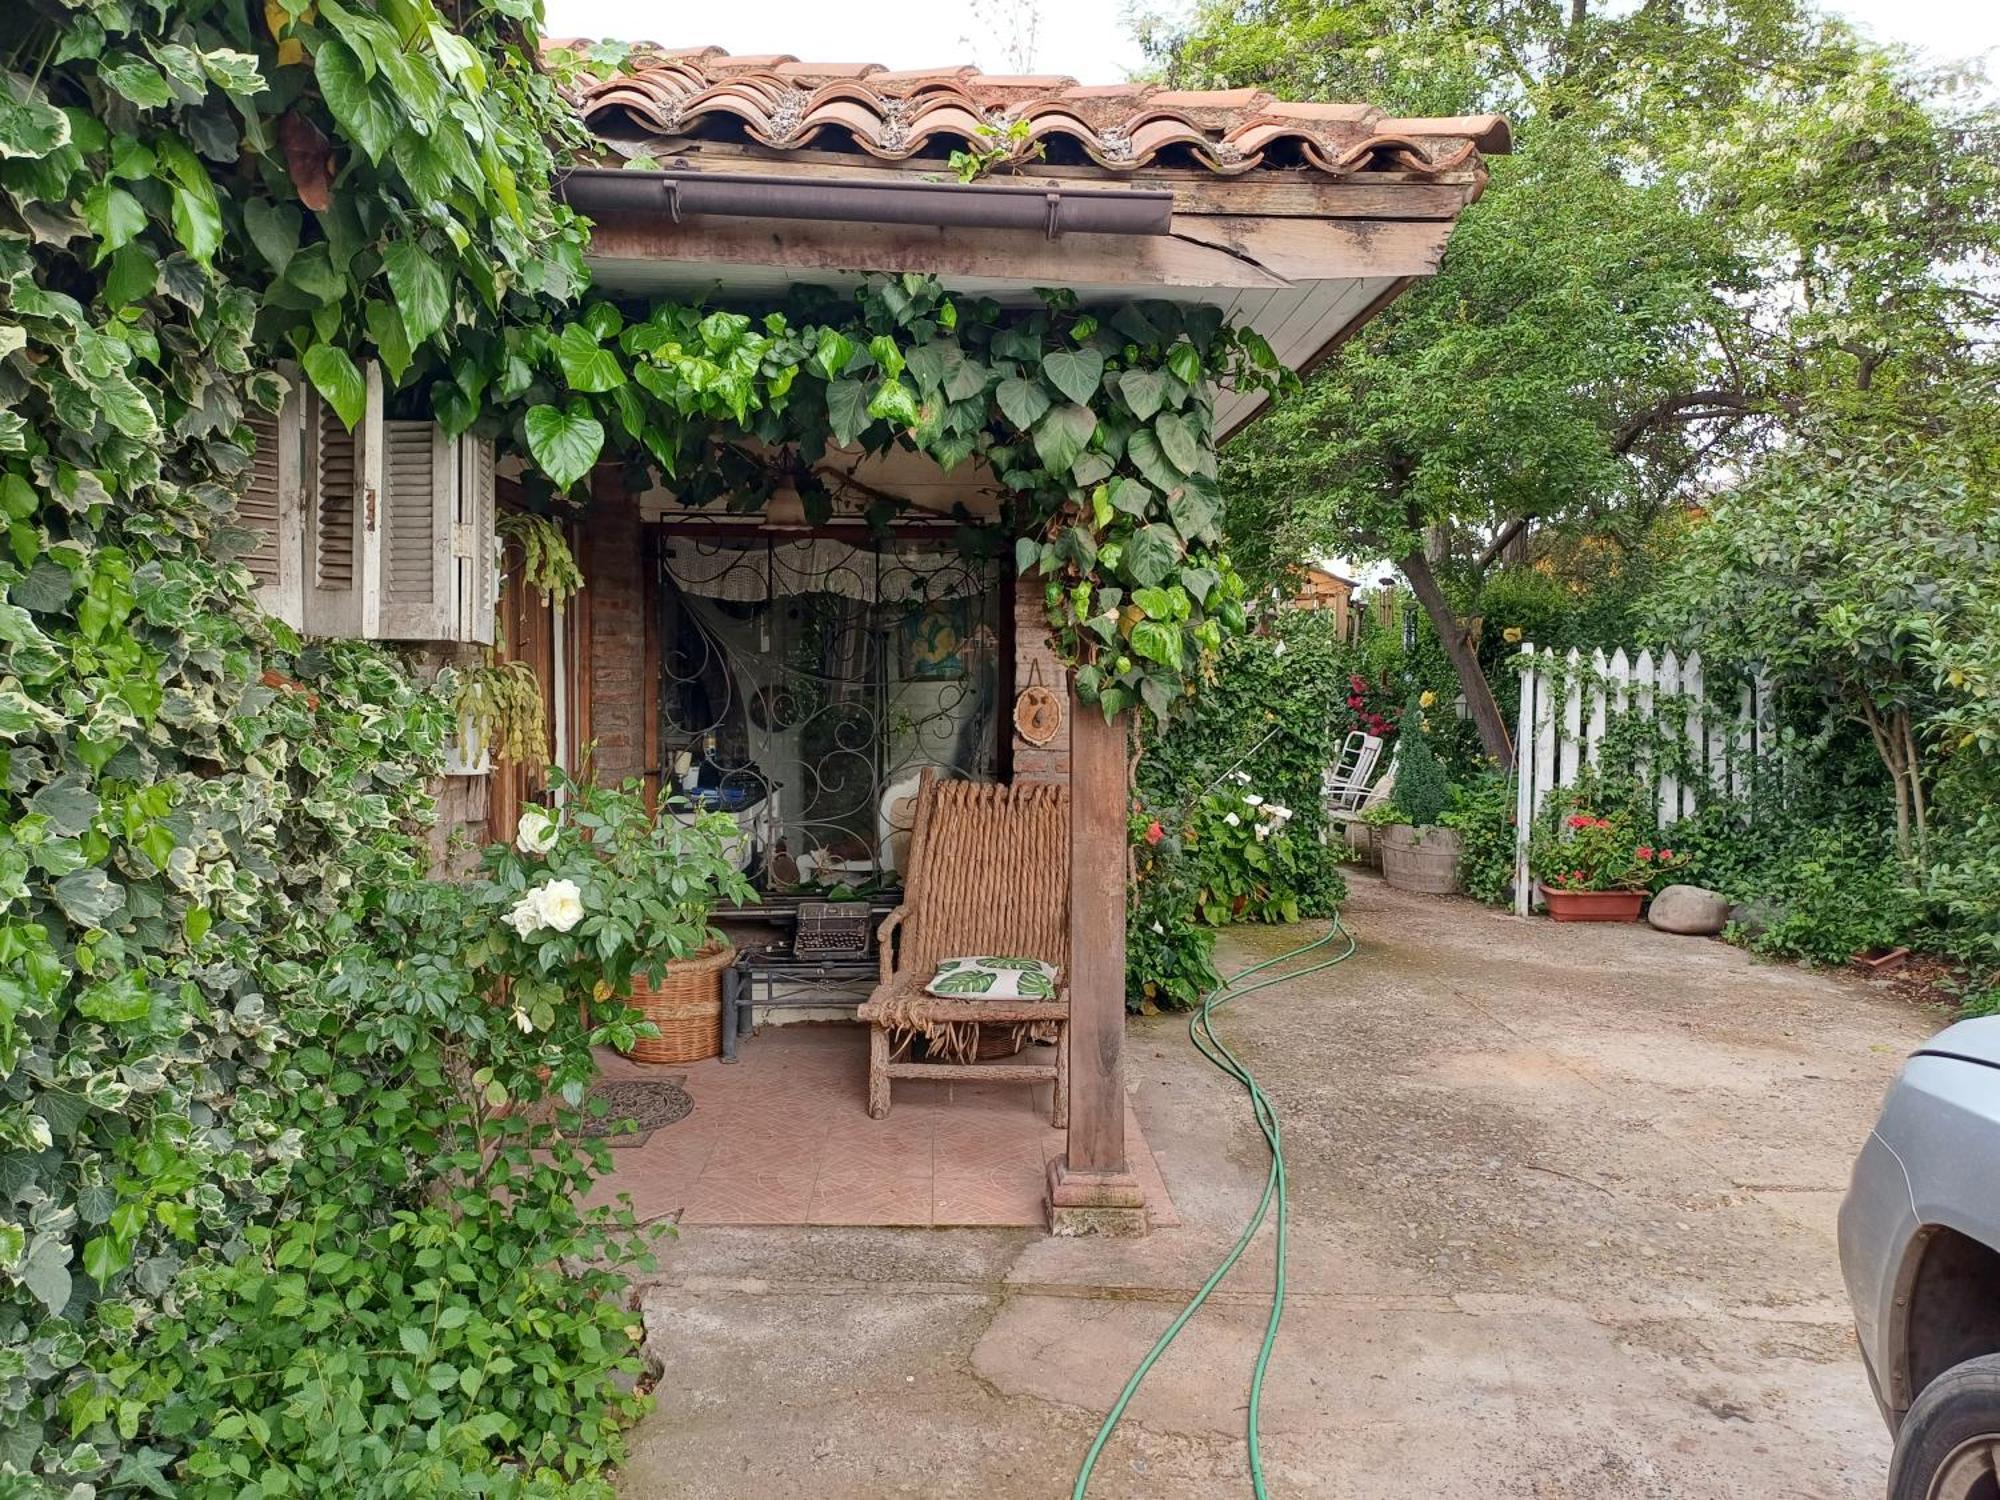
(1563, 1227)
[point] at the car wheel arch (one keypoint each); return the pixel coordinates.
(1945, 1310)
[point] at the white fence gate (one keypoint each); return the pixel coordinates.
(1568, 701)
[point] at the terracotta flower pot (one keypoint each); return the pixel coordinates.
(1593, 906)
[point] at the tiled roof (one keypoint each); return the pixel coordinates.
(780, 102)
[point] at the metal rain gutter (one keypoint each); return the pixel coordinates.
(679, 195)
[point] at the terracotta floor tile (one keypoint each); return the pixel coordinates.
(784, 1137)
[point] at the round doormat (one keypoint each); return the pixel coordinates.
(649, 1103)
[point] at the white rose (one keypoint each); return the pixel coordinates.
(526, 916)
(561, 904)
(536, 832)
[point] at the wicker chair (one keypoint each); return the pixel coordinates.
(988, 873)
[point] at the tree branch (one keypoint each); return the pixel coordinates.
(1688, 406)
(1501, 538)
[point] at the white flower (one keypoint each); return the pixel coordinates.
(1232, 820)
(521, 1020)
(1279, 649)
(1159, 929)
(561, 904)
(536, 832)
(1263, 831)
(1241, 778)
(526, 916)
(1278, 814)
(1253, 799)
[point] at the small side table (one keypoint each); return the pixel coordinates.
(774, 967)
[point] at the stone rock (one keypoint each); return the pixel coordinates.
(1689, 909)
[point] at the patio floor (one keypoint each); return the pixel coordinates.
(783, 1137)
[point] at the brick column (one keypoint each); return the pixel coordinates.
(614, 573)
(1034, 662)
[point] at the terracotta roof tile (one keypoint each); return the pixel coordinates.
(787, 104)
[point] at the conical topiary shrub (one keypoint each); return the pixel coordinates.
(1422, 793)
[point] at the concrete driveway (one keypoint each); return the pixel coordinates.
(1563, 1205)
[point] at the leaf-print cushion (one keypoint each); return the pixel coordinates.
(994, 977)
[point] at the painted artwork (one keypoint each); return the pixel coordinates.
(934, 641)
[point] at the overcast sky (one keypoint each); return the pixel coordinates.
(1091, 41)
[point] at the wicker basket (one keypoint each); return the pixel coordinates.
(686, 1005)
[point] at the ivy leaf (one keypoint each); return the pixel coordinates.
(1060, 436)
(424, 297)
(68, 804)
(832, 352)
(1022, 402)
(587, 365)
(45, 1271)
(138, 81)
(104, 1256)
(118, 1001)
(29, 125)
(1143, 449)
(114, 216)
(274, 230)
(1193, 514)
(333, 375)
(391, 336)
(564, 444)
(894, 402)
(1179, 440)
(1074, 372)
(88, 898)
(1151, 554)
(846, 410)
(887, 355)
(1185, 361)
(1027, 552)
(1145, 391)
(125, 406)
(343, 82)
(1130, 496)
(1159, 641)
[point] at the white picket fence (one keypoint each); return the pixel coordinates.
(1566, 703)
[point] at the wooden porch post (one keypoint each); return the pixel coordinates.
(1091, 1187)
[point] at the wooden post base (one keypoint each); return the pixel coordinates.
(1109, 1203)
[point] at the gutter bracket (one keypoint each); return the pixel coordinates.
(1055, 215)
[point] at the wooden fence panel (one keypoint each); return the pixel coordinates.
(1569, 706)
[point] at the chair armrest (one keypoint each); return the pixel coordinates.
(885, 942)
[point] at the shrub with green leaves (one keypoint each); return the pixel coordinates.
(1422, 793)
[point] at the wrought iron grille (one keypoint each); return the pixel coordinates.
(806, 682)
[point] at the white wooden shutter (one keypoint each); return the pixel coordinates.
(475, 548)
(419, 511)
(273, 506)
(343, 473)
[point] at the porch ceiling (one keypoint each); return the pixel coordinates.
(1299, 220)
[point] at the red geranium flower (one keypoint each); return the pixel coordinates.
(1644, 851)
(1154, 832)
(1666, 854)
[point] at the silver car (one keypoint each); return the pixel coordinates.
(1920, 1248)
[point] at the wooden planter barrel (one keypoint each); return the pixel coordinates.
(1420, 859)
(1593, 906)
(686, 1005)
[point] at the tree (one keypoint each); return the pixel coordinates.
(1866, 576)
(1728, 219)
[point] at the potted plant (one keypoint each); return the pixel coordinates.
(597, 899)
(1418, 852)
(1595, 869)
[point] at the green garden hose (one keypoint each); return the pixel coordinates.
(1201, 1031)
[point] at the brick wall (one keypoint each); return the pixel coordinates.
(1035, 662)
(614, 574)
